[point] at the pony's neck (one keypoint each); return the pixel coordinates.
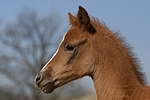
(111, 86)
(115, 76)
(108, 89)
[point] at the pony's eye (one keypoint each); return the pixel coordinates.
(69, 48)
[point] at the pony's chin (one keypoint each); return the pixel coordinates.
(48, 88)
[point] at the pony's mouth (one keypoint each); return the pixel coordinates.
(48, 88)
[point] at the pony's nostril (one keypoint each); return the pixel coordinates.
(38, 78)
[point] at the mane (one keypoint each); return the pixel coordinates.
(133, 57)
(129, 49)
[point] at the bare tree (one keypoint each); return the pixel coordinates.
(25, 47)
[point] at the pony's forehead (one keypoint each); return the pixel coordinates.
(73, 34)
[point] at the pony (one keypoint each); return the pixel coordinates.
(89, 48)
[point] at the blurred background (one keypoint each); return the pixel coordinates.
(31, 30)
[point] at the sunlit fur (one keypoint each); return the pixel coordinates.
(100, 54)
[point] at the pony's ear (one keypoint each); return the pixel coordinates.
(84, 20)
(73, 20)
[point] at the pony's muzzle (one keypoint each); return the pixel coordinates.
(44, 83)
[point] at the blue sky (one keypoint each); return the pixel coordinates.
(130, 17)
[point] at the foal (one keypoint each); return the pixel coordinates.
(89, 48)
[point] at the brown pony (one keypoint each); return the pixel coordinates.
(89, 48)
